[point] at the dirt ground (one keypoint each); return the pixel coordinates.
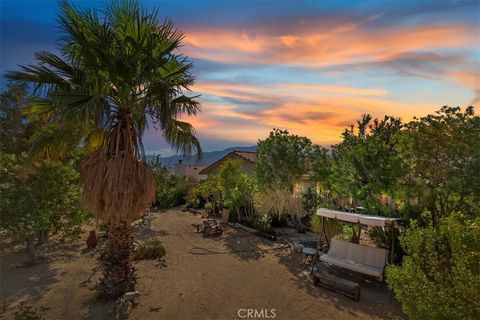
(203, 279)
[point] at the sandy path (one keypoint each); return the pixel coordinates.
(213, 286)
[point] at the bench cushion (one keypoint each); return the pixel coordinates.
(352, 265)
(360, 258)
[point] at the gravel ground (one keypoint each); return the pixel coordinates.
(203, 278)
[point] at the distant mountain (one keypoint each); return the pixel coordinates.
(208, 157)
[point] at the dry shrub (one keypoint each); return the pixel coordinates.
(152, 249)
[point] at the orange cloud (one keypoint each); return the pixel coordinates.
(318, 45)
(334, 88)
(319, 117)
(470, 79)
(243, 112)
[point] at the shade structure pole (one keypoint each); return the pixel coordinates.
(392, 247)
(318, 245)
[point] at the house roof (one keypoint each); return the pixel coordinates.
(244, 155)
(247, 155)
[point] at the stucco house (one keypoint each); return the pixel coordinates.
(292, 203)
(247, 158)
(190, 171)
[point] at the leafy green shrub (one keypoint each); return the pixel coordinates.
(383, 239)
(440, 275)
(238, 190)
(207, 193)
(263, 223)
(171, 191)
(152, 249)
(27, 312)
(46, 200)
(310, 201)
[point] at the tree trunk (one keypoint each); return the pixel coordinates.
(31, 251)
(118, 271)
(42, 237)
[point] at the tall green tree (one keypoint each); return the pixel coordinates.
(15, 127)
(118, 70)
(322, 173)
(367, 162)
(282, 160)
(441, 155)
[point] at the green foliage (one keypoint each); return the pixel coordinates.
(440, 275)
(152, 249)
(263, 223)
(278, 221)
(27, 312)
(115, 64)
(323, 174)
(331, 227)
(310, 201)
(281, 160)
(208, 191)
(171, 191)
(238, 189)
(15, 129)
(442, 160)
(367, 162)
(46, 199)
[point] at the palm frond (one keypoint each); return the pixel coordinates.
(117, 71)
(181, 135)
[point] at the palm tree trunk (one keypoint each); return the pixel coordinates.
(118, 271)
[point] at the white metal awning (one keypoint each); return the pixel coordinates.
(358, 218)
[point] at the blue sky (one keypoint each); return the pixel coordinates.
(311, 67)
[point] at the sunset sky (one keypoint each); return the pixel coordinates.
(312, 67)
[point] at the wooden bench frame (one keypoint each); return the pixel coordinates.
(346, 287)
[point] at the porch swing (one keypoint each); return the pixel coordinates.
(359, 258)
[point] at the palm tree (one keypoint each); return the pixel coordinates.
(118, 71)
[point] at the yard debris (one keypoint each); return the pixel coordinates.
(268, 236)
(210, 228)
(124, 305)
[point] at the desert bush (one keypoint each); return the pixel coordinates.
(152, 249)
(27, 312)
(440, 274)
